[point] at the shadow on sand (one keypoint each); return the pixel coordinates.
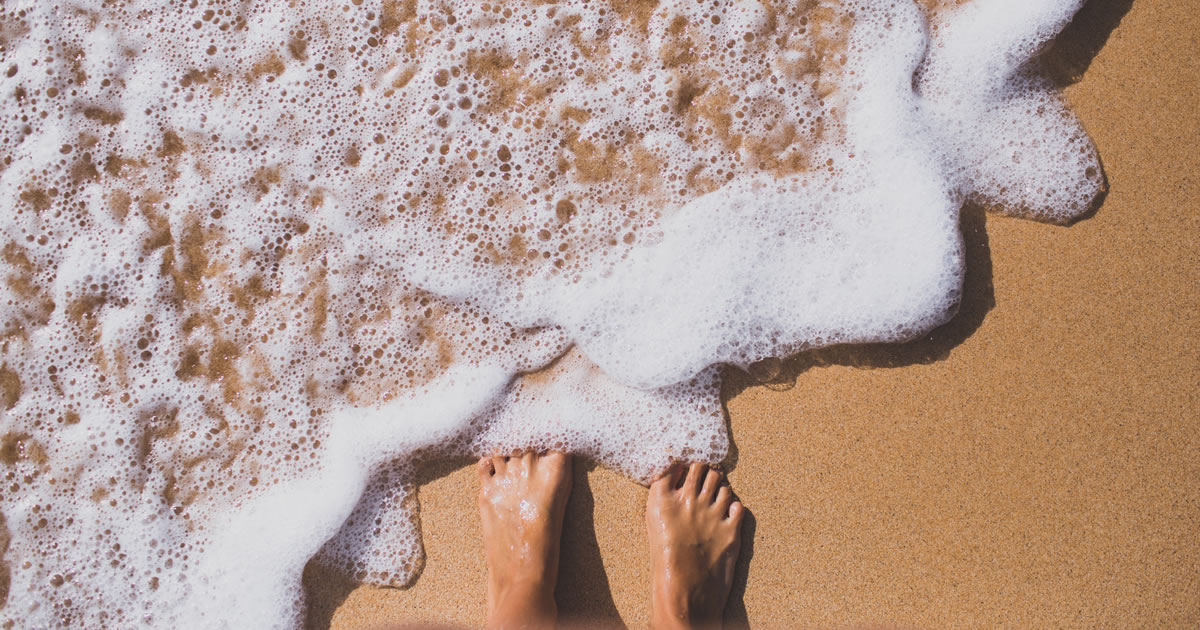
(1072, 52)
(977, 299)
(1065, 60)
(324, 591)
(584, 596)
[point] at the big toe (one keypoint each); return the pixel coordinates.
(554, 460)
(555, 467)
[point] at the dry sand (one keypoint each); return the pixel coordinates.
(1033, 464)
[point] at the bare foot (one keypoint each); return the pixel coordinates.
(695, 537)
(521, 504)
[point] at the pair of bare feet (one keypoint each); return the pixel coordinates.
(692, 520)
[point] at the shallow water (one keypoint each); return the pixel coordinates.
(259, 258)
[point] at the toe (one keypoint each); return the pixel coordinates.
(521, 463)
(554, 461)
(737, 512)
(676, 474)
(712, 480)
(553, 466)
(668, 480)
(723, 500)
(691, 484)
(485, 468)
(499, 465)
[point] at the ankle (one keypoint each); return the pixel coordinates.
(522, 588)
(521, 603)
(665, 619)
(671, 610)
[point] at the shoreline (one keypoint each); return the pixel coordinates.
(1033, 465)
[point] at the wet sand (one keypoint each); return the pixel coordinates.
(1032, 464)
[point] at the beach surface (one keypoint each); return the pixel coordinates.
(1031, 464)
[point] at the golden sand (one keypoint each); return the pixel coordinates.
(1033, 464)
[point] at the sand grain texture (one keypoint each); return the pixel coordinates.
(1032, 464)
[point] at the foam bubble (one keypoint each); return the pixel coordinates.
(261, 260)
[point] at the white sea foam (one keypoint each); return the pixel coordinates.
(260, 258)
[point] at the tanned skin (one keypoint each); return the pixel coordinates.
(693, 525)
